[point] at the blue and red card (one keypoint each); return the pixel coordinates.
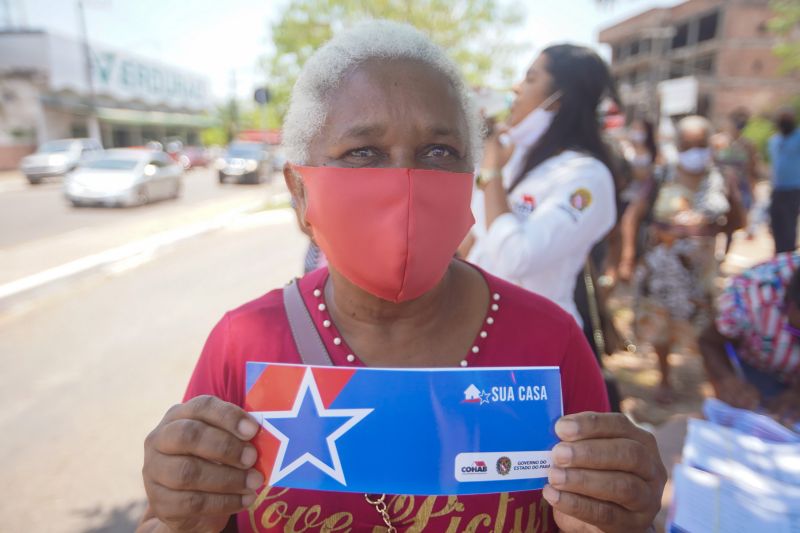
(404, 431)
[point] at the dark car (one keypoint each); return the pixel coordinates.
(245, 162)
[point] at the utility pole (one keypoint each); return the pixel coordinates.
(661, 42)
(92, 121)
(233, 108)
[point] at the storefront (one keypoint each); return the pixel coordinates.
(45, 95)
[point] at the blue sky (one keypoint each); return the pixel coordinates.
(214, 37)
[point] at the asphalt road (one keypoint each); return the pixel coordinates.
(33, 212)
(90, 371)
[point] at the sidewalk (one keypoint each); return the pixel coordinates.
(29, 265)
(12, 180)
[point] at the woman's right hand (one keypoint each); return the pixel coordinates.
(197, 465)
(625, 270)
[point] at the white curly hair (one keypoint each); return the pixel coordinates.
(328, 66)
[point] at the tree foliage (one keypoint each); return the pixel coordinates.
(786, 25)
(473, 32)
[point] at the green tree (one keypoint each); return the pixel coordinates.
(473, 32)
(786, 25)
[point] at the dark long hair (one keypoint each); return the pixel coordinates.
(583, 79)
(650, 138)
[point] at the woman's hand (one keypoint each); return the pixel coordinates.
(607, 475)
(495, 155)
(197, 465)
(625, 269)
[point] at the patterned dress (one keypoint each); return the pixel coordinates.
(675, 279)
(751, 309)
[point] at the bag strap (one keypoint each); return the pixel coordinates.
(306, 338)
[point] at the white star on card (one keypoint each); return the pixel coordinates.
(309, 385)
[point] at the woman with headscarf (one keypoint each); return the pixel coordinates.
(381, 143)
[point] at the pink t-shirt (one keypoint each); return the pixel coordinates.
(521, 329)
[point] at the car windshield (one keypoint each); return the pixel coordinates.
(56, 146)
(116, 163)
(244, 151)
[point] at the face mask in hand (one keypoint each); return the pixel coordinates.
(390, 231)
(695, 160)
(531, 128)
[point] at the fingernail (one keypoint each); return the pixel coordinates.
(557, 476)
(562, 454)
(249, 456)
(566, 428)
(248, 499)
(550, 494)
(254, 479)
(247, 428)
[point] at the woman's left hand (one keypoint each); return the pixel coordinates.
(495, 155)
(607, 475)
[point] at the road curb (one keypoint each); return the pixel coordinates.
(14, 292)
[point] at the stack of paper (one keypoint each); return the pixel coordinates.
(740, 473)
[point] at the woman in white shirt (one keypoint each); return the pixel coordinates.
(548, 194)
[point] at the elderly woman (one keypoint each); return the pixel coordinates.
(382, 141)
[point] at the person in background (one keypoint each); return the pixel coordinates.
(784, 152)
(548, 193)
(675, 277)
(737, 158)
(641, 154)
(752, 351)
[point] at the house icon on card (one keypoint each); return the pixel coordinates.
(472, 394)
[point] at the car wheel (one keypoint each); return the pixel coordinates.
(221, 177)
(34, 181)
(76, 203)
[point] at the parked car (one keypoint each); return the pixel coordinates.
(193, 156)
(245, 162)
(56, 158)
(124, 177)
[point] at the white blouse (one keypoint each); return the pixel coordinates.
(559, 211)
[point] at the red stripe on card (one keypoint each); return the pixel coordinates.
(276, 389)
(267, 446)
(331, 381)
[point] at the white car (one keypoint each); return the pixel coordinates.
(124, 177)
(56, 158)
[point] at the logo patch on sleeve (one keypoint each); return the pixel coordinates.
(581, 199)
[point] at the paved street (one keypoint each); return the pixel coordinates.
(34, 212)
(88, 372)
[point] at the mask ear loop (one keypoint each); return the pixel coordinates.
(550, 100)
(505, 140)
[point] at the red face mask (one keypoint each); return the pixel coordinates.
(390, 231)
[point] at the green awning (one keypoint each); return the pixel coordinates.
(153, 118)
